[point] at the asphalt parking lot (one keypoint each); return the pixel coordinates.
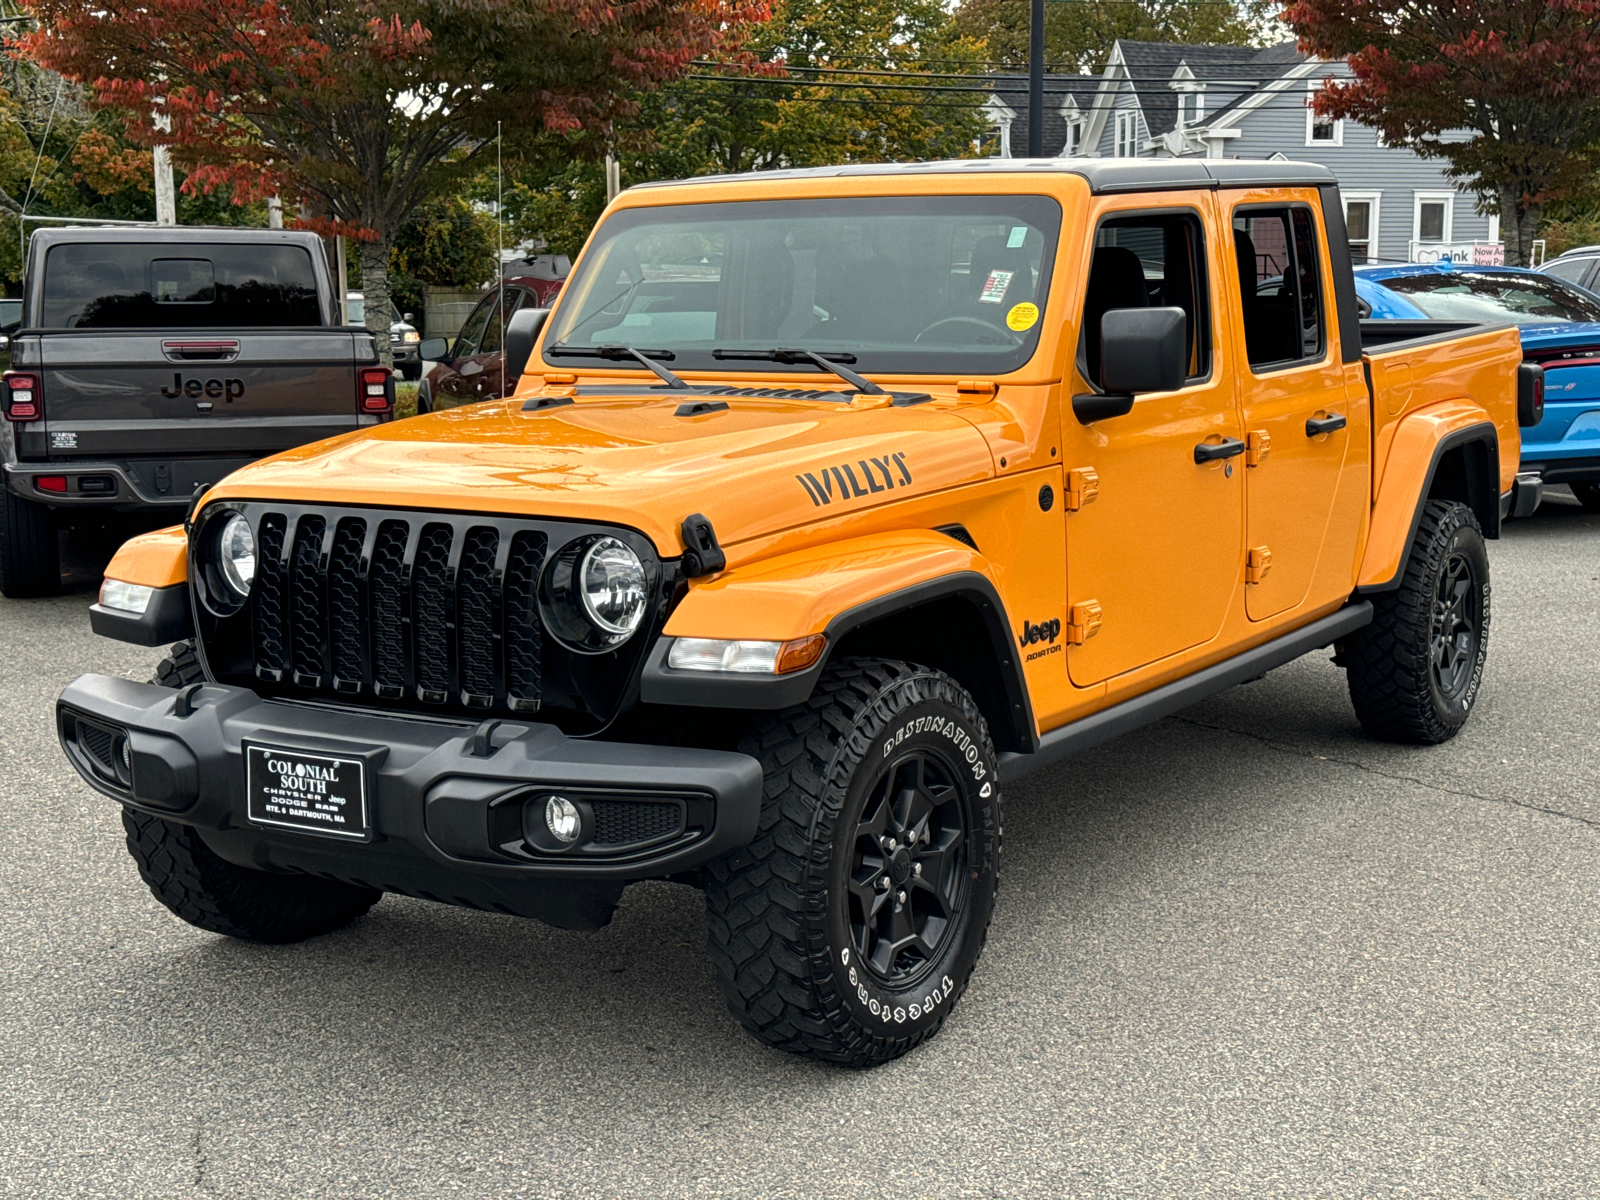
(1241, 953)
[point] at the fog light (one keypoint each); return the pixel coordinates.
(562, 817)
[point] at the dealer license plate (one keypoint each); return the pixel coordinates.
(314, 793)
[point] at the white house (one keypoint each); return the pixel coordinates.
(1157, 99)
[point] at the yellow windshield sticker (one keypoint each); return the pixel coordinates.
(1022, 316)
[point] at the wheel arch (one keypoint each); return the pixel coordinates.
(1462, 463)
(917, 596)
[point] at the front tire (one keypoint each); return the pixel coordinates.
(850, 926)
(207, 891)
(30, 552)
(1415, 672)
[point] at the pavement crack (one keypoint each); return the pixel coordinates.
(1297, 752)
(199, 1153)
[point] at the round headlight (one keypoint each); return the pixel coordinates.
(236, 555)
(611, 588)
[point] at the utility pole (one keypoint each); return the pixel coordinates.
(1036, 80)
(166, 196)
(613, 178)
(274, 212)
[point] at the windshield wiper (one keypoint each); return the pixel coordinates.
(828, 362)
(647, 357)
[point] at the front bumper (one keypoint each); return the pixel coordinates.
(405, 352)
(445, 799)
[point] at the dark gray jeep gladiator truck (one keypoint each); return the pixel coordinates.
(151, 361)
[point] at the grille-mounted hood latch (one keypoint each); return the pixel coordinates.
(701, 553)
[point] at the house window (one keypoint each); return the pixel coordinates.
(1321, 131)
(1361, 225)
(1127, 127)
(1433, 216)
(1191, 109)
(1183, 109)
(1199, 107)
(1074, 137)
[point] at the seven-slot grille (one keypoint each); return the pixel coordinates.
(441, 611)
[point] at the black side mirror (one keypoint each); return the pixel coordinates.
(435, 350)
(521, 335)
(1141, 350)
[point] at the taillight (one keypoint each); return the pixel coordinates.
(22, 399)
(1530, 394)
(377, 389)
(50, 483)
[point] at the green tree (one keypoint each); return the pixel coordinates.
(358, 113)
(444, 243)
(822, 82)
(1078, 34)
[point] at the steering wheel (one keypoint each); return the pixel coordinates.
(988, 326)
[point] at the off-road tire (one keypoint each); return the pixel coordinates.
(30, 553)
(1588, 495)
(779, 911)
(1394, 683)
(206, 890)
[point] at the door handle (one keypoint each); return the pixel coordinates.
(1316, 425)
(1212, 451)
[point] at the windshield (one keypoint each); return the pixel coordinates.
(1492, 296)
(927, 285)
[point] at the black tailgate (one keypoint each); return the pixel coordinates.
(240, 391)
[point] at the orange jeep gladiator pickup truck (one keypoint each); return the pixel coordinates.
(829, 502)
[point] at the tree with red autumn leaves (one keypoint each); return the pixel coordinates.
(358, 112)
(1522, 77)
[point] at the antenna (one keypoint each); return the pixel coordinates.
(500, 247)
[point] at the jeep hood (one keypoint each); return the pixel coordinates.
(756, 467)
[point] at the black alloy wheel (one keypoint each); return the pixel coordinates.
(1453, 633)
(907, 880)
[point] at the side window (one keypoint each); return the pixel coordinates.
(1148, 261)
(1280, 283)
(472, 332)
(1571, 269)
(496, 326)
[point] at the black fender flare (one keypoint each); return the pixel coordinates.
(661, 684)
(1483, 495)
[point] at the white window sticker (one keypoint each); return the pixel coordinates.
(1018, 236)
(994, 288)
(63, 441)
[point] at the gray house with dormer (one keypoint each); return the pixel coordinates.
(1164, 100)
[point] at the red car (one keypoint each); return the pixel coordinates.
(472, 367)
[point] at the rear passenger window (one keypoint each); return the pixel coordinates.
(1148, 261)
(1571, 269)
(127, 285)
(1280, 285)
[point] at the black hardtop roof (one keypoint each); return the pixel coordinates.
(172, 235)
(1105, 176)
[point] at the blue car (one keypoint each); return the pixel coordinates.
(1560, 327)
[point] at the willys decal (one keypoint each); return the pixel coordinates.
(879, 474)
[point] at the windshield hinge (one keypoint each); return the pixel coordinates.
(977, 387)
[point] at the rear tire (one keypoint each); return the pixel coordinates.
(850, 926)
(1414, 673)
(207, 891)
(1588, 495)
(424, 398)
(30, 553)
